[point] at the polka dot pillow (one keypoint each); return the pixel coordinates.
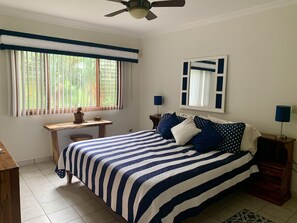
(232, 134)
(200, 122)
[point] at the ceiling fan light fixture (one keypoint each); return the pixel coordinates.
(138, 12)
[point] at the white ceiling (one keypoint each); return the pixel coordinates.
(89, 14)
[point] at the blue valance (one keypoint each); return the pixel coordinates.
(13, 40)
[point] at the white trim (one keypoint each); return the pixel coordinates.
(71, 23)
(232, 15)
(294, 194)
(34, 161)
(55, 20)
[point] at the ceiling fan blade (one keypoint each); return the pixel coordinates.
(150, 16)
(116, 13)
(173, 3)
(119, 1)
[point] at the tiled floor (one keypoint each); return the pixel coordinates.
(45, 198)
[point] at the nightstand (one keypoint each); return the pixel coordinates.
(274, 159)
(155, 119)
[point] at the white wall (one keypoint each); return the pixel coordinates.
(25, 137)
(262, 68)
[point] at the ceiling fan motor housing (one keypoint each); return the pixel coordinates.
(132, 4)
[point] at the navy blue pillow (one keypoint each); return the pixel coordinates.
(165, 125)
(207, 140)
(200, 122)
(232, 134)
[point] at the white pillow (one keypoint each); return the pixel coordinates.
(184, 131)
(249, 138)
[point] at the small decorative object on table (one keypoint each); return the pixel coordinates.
(158, 100)
(97, 118)
(282, 114)
(79, 116)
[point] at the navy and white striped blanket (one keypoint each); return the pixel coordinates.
(145, 178)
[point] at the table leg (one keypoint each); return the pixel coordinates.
(55, 146)
(102, 131)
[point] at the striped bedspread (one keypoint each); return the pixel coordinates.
(145, 178)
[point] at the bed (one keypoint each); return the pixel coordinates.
(145, 177)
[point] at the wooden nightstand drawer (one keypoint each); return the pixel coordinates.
(270, 179)
(267, 186)
(270, 170)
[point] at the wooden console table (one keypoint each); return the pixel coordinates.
(54, 128)
(10, 210)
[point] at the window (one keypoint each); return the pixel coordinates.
(52, 84)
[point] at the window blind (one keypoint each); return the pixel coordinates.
(54, 84)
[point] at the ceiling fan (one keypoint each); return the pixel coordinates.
(141, 8)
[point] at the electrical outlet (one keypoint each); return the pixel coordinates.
(294, 108)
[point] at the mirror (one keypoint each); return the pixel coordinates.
(204, 83)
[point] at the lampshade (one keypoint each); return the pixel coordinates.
(138, 12)
(282, 113)
(158, 100)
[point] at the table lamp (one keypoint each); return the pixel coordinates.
(282, 114)
(158, 100)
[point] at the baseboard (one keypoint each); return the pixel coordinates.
(43, 159)
(294, 194)
(25, 162)
(33, 161)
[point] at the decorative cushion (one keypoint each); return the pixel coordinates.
(184, 131)
(249, 138)
(200, 122)
(166, 123)
(207, 140)
(232, 134)
(180, 118)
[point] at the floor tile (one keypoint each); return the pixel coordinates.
(54, 205)
(28, 169)
(273, 218)
(62, 216)
(278, 212)
(48, 196)
(101, 216)
(86, 207)
(41, 219)
(25, 191)
(49, 171)
(198, 218)
(293, 219)
(29, 201)
(291, 205)
(77, 196)
(223, 215)
(34, 174)
(78, 220)
(210, 220)
(46, 165)
(31, 213)
(35, 182)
